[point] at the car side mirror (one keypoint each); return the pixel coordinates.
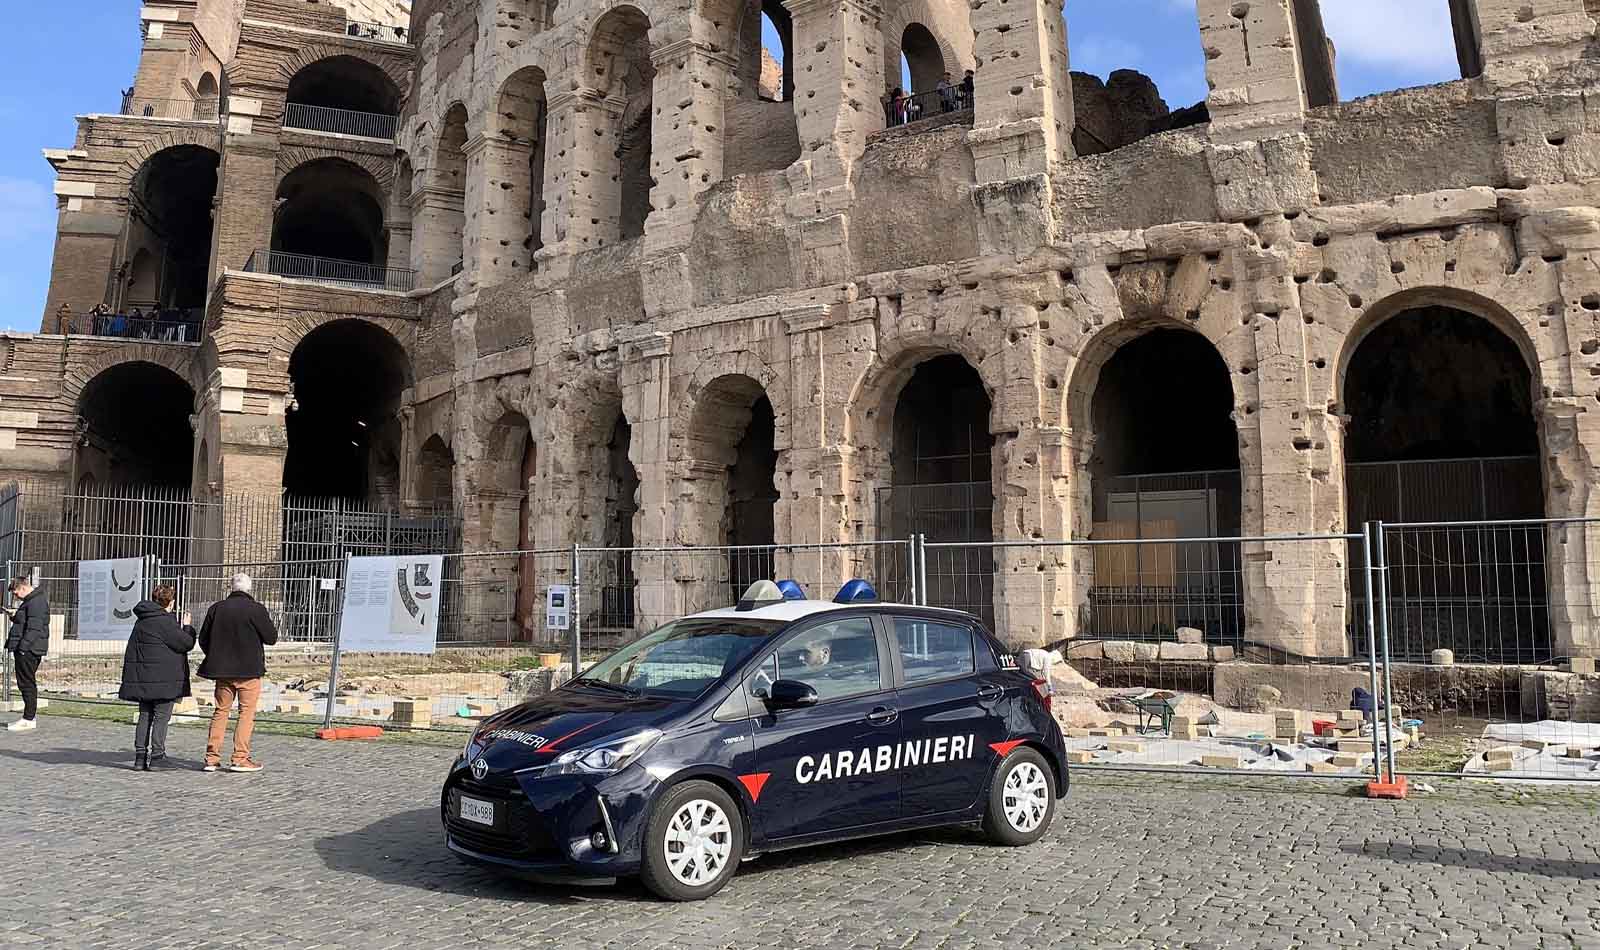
(790, 694)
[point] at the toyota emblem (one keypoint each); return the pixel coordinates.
(480, 768)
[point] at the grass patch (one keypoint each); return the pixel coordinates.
(1438, 754)
(127, 714)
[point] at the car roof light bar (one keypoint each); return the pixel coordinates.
(760, 594)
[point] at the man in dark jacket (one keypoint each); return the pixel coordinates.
(234, 636)
(27, 643)
(155, 673)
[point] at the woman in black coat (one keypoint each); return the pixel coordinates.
(155, 673)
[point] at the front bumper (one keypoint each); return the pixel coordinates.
(548, 826)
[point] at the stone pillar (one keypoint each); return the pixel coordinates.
(1023, 112)
(164, 58)
(1254, 68)
(690, 86)
(838, 93)
(83, 269)
(436, 212)
(582, 188)
(646, 401)
(246, 186)
(252, 443)
(498, 229)
(1524, 41)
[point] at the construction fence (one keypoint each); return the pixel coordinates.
(1426, 649)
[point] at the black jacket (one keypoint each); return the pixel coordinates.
(233, 636)
(30, 625)
(156, 665)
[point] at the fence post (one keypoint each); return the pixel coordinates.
(1369, 575)
(577, 610)
(911, 566)
(333, 666)
(922, 567)
(1383, 636)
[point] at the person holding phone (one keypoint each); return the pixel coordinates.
(155, 673)
(27, 643)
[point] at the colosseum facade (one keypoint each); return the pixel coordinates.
(587, 273)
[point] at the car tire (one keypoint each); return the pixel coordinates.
(693, 842)
(1016, 814)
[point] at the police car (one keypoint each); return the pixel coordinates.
(777, 723)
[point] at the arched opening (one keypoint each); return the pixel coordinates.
(450, 177)
(734, 430)
(1441, 429)
(207, 96)
(941, 478)
(620, 66)
(167, 238)
(522, 115)
(330, 209)
(345, 82)
(1134, 76)
(344, 436)
(775, 77)
(622, 503)
(435, 476)
(133, 427)
(1165, 464)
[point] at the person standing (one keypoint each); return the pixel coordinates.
(947, 93)
(27, 643)
(235, 635)
(155, 673)
(967, 86)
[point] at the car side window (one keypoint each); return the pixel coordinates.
(836, 659)
(760, 682)
(930, 650)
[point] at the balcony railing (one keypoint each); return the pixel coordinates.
(385, 32)
(331, 271)
(187, 110)
(369, 125)
(162, 326)
(925, 105)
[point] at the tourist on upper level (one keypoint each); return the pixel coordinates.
(64, 320)
(966, 90)
(947, 93)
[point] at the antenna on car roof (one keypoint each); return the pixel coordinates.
(856, 591)
(760, 594)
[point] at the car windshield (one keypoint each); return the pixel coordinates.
(682, 659)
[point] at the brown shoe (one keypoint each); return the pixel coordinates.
(245, 766)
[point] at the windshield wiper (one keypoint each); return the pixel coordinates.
(629, 691)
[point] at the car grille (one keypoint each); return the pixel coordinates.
(519, 833)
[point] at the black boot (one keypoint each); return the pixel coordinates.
(141, 762)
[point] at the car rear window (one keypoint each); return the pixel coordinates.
(930, 650)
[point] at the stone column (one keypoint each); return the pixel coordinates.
(838, 94)
(252, 443)
(164, 57)
(646, 401)
(686, 133)
(582, 188)
(1023, 112)
(436, 212)
(246, 189)
(1253, 66)
(496, 197)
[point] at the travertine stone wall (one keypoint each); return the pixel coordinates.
(1281, 232)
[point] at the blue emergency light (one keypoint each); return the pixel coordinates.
(791, 590)
(856, 591)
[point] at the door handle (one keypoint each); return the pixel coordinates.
(883, 715)
(989, 694)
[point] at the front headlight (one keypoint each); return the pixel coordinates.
(607, 758)
(472, 736)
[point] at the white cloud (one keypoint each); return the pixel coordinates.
(27, 209)
(1409, 34)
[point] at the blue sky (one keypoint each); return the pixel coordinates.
(1383, 44)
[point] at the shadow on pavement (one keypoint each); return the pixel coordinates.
(407, 848)
(95, 757)
(1473, 858)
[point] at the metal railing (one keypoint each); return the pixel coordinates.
(309, 118)
(187, 110)
(331, 271)
(916, 107)
(383, 32)
(169, 326)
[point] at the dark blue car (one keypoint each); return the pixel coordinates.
(771, 725)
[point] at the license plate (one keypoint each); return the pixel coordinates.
(479, 811)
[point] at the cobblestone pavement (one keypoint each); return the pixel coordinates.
(338, 845)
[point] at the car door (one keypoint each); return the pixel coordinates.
(820, 764)
(953, 703)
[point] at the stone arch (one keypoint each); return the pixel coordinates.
(1415, 298)
(133, 421)
(381, 168)
(894, 362)
(723, 366)
(208, 139)
(332, 207)
(618, 65)
(1093, 354)
(433, 476)
(513, 231)
(949, 25)
(180, 360)
(293, 331)
(393, 67)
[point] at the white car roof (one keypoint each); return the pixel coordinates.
(791, 610)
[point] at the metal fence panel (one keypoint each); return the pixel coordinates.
(1175, 656)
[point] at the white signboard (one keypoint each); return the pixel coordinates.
(558, 607)
(107, 593)
(391, 604)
